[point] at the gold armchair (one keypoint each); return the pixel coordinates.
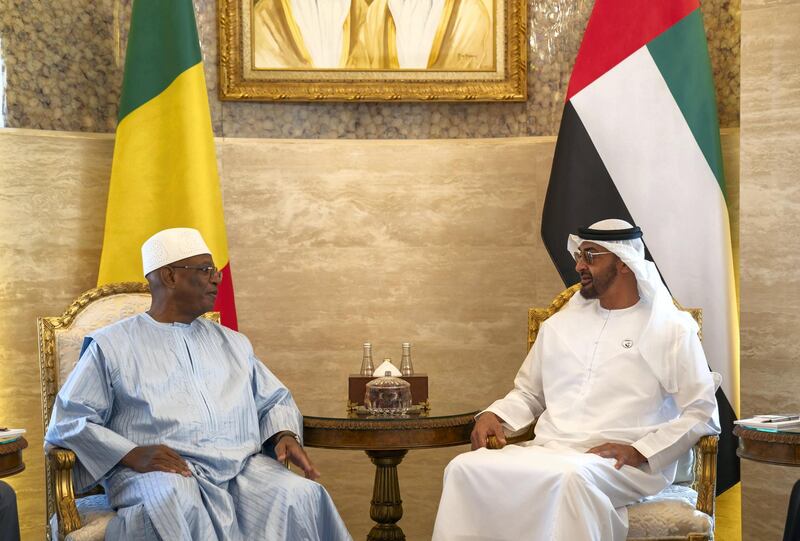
(684, 510)
(70, 515)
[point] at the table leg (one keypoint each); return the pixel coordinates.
(387, 507)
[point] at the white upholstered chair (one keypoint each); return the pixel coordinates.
(682, 511)
(78, 517)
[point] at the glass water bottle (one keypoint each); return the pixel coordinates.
(406, 368)
(366, 360)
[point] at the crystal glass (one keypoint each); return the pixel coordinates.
(388, 395)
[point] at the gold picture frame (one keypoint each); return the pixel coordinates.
(263, 55)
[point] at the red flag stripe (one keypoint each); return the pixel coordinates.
(225, 303)
(604, 45)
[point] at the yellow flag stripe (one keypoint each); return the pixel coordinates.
(164, 175)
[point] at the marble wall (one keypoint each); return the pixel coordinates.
(770, 240)
(332, 243)
(61, 69)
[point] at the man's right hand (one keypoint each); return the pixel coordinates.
(156, 458)
(487, 424)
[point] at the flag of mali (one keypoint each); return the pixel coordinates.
(164, 172)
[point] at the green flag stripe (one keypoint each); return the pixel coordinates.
(681, 55)
(162, 44)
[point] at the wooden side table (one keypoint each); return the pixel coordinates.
(11, 461)
(386, 441)
(770, 447)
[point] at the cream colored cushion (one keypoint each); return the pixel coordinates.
(669, 514)
(685, 469)
(98, 314)
(95, 513)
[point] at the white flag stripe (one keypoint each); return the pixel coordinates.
(671, 192)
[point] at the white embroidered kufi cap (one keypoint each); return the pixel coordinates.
(170, 245)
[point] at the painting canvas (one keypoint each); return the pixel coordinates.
(372, 49)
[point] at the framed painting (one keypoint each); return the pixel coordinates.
(373, 50)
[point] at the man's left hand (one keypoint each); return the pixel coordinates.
(287, 447)
(625, 455)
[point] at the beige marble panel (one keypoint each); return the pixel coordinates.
(730, 148)
(432, 242)
(770, 240)
(51, 224)
(749, 5)
(764, 502)
(64, 62)
(332, 243)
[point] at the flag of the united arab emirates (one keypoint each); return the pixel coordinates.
(639, 140)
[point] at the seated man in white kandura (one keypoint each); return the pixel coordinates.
(621, 388)
(169, 411)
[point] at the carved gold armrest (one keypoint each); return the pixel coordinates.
(61, 462)
(705, 473)
(524, 434)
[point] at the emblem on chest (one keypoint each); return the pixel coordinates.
(627, 343)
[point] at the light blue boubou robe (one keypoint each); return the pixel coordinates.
(200, 390)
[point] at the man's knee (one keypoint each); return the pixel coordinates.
(454, 468)
(297, 488)
(8, 498)
(462, 464)
(575, 479)
(304, 487)
(171, 488)
(481, 464)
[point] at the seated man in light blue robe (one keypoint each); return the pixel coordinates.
(169, 411)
